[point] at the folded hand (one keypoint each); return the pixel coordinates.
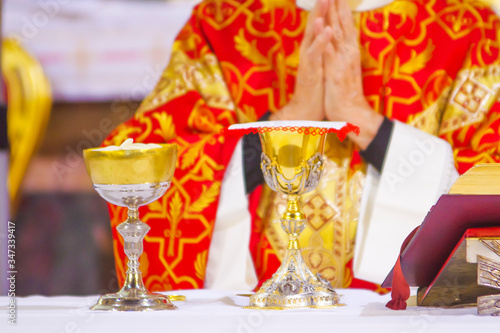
(329, 79)
(344, 96)
(307, 101)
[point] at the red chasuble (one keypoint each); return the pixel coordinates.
(432, 64)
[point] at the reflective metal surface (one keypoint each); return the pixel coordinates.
(489, 305)
(292, 163)
(134, 195)
(138, 166)
(132, 178)
(488, 274)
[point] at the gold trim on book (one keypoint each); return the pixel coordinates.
(482, 179)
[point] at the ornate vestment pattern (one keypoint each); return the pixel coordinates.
(432, 64)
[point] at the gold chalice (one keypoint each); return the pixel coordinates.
(132, 178)
(292, 163)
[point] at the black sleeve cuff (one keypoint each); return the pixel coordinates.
(252, 149)
(377, 149)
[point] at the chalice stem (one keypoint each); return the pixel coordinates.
(293, 222)
(133, 231)
(292, 163)
(293, 284)
(132, 176)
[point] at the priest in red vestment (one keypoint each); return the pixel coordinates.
(420, 79)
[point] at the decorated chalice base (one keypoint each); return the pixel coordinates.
(132, 175)
(292, 163)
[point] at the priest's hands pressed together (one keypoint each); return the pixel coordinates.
(329, 79)
(307, 102)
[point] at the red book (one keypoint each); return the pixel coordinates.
(442, 229)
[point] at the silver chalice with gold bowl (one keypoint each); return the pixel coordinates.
(292, 163)
(132, 175)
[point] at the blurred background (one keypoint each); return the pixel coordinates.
(73, 70)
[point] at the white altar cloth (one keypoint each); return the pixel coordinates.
(221, 311)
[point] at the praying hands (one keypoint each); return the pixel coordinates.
(329, 79)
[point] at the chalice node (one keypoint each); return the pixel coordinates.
(292, 163)
(132, 178)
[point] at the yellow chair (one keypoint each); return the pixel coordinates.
(29, 103)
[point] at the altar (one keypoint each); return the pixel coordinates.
(222, 311)
(289, 167)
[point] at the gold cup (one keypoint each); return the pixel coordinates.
(292, 163)
(132, 178)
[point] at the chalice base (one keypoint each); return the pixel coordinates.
(294, 286)
(133, 300)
